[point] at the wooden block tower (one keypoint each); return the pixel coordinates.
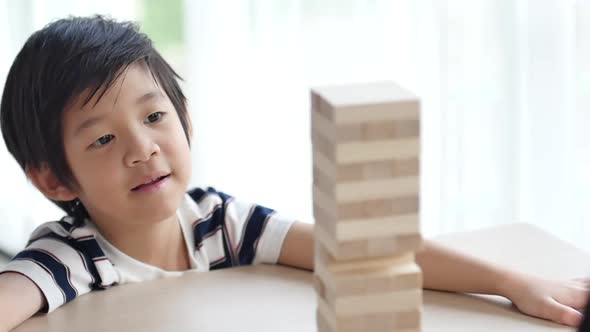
(366, 146)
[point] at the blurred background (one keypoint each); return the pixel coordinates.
(504, 86)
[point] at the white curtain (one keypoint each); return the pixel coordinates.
(503, 85)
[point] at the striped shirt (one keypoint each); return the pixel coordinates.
(69, 258)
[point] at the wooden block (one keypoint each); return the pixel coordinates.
(405, 321)
(334, 265)
(324, 146)
(365, 190)
(359, 151)
(365, 171)
(400, 225)
(334, 172)
(365, 102)
(334, 280)
(344, 250)
(366, 147)
(365, 220)
(333, 133)
(371, 131)
(322, 323)
(389, 302)
(320, 106)
(389, 168)
(342, 211)
(356, 152)
(374, 208)
(390, 130)
(375, 247)
(367, 228)
(379, 303)
(318, 284)
(377, 189)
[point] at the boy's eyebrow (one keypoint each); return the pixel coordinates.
(96, 119)
(148, 96)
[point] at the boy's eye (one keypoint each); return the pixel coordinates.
(155, 117)
(102, 141)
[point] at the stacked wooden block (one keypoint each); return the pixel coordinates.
(366, 184)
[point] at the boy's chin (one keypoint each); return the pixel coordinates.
(157, 210)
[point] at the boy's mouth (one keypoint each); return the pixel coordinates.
(150, 181)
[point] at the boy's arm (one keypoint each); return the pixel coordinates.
(449, 270)
(440, 265)
(297, 250)
(20, 299)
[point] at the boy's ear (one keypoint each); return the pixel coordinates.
(44, 179)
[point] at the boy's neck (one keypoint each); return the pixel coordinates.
(160, 244)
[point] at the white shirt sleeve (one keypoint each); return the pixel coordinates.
(256, 232)
(272, 238)
(60, 271)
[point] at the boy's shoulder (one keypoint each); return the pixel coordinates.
(76, 237)
(200, 202)
(67, 228)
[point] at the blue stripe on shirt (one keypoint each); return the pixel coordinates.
(90, 251)
(254, 227)
(204, 228)
(253, 230)
(227, 245)
(66, 225)
(60, 272)
(198, 194)
(212, 224)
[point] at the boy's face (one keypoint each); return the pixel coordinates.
(132, 136)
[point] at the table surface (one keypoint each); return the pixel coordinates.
(275, 298)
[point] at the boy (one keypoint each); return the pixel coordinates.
(97, 120)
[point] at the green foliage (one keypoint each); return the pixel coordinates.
(163, 21)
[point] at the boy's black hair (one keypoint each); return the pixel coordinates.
(57, 65)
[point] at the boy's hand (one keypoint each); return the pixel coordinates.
(558, 301)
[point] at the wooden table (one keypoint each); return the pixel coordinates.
(274, 298)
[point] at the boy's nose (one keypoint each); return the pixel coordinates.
(141, 151)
